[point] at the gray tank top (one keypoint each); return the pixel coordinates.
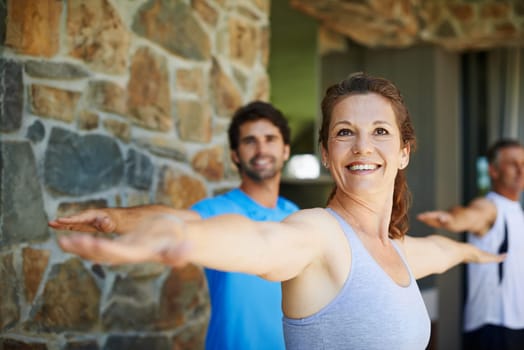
(370, 312)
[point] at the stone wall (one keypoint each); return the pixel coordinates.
(114, 103)
(453, 24)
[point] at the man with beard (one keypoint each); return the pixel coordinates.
(246, 309)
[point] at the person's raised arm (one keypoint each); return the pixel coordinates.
(476, 218)
(437, 254)
(116, 220)
(275, 251)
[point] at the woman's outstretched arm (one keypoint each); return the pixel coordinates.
(437, 254)
(276, 251)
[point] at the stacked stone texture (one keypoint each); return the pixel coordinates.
(114, 103)
(456, 25)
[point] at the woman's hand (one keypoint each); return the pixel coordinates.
(437, 254)
(163, 242)
(91, 220)
(476, 255)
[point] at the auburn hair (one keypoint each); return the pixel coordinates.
(361, 83)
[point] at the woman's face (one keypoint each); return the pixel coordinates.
(364, 145)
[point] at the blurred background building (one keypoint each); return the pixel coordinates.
(126, 102)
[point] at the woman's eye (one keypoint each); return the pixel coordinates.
(344, 132)
(381, 131)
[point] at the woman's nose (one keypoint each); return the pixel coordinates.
(362, 145)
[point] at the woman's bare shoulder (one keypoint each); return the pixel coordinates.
(310, 215)
(313, 220)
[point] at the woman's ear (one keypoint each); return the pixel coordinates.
(324, 157)
(404, 156)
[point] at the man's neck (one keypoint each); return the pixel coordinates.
(509, 194)
(263, 192)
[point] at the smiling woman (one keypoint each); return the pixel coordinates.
(362, 97)
(348, 271)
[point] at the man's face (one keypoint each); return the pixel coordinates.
(261, 150)
(508, 169)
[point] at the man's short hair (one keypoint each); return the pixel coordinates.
(493, 151)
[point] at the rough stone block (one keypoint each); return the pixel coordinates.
(179, 190)
(11, 95)
(9, 302)
(139, 170)
(79, 165)
(70, 300)
(22, 214)
(172, 25)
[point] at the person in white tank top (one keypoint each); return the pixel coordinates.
(494, 307)
(337, 265)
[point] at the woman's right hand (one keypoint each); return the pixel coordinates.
(91, 220)
(156, 238)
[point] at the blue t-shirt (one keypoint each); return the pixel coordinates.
(246, 310)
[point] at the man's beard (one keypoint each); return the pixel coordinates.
(259, 174)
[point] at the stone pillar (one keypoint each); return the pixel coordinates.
(114, 103)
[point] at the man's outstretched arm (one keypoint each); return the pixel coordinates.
(477, 217)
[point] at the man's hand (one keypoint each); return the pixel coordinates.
(477, 217)
(436, 218)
